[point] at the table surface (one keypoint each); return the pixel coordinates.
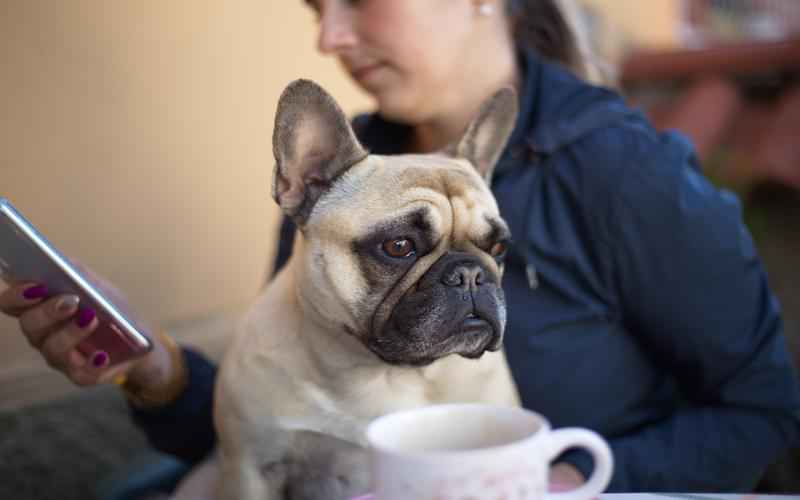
(675, 496)
(694, 496)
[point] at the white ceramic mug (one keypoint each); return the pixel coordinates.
(476, 451)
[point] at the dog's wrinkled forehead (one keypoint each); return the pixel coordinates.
(315, 148)
(449, 191)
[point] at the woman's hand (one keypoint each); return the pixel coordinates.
(55, 325)
(565, 477)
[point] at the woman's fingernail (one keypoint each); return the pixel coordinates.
(85, 316)
(35, 292)
(67, 304)
(99, 359)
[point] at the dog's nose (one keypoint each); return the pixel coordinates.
(466, 275)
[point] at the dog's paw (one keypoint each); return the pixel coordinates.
(320, 467)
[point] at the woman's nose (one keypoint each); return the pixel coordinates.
(336, 31)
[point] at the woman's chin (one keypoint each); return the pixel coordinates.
(395, 108)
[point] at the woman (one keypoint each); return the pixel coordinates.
(636, 303)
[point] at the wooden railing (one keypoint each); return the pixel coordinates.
(731, 59)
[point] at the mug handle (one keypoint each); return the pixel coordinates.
(563, 439)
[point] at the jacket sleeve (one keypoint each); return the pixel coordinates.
(695, 294)
(185, 427)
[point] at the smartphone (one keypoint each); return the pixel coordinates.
(26, 255)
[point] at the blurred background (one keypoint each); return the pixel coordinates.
(136, 134)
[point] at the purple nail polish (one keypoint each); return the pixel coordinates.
(35, 292)
(99, 358)
(85, 316)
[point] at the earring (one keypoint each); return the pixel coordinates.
(485, 9)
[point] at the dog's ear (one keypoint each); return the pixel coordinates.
(487, 135)
(313, 144)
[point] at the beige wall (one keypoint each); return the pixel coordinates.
(623, 25)
(645, 22)
(137, 135)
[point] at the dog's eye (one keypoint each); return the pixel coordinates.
(399, 248)
(498, 250)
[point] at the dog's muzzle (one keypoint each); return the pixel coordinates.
(457, 307)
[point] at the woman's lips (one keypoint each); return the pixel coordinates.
(365, 73)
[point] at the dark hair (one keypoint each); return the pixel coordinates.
(553, 30)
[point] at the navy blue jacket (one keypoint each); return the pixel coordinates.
(637, 305)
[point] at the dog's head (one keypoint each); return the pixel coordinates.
(403, 252)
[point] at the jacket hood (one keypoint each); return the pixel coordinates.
(557, 108)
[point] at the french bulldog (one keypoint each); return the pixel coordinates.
(391, 300)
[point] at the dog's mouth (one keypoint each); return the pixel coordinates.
(469, 335)
(474, 325)
(479, 333)
(473, 319)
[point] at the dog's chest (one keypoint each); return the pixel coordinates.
(371, 393)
